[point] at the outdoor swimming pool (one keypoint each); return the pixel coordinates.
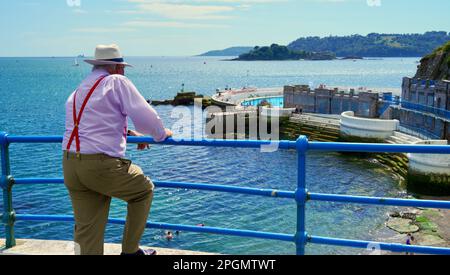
(277, 101)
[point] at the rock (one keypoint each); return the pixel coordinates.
(435, 66)
(159, 102)
(352, 57)
(430, 240)
(395, 214)
(183, 99)
(403, 226)
(408, 215)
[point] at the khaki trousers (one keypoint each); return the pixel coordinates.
(92, 180)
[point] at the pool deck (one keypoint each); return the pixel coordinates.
(45, 247)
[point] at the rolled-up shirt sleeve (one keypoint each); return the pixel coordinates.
(133, 104)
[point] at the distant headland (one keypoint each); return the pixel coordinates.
(233, 51)
(371, 45)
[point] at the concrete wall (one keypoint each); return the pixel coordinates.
(431, 126)
(367, 128)
(427, 92)
(326, 101)
(300, 97)
(434, 94)
(430, 163)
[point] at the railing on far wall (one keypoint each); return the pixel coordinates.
(301, 195)
(442, 113)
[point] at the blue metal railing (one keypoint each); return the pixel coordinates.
(301, 195)
(419, 132)
(427, 109)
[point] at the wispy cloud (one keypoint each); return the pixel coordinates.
(104, 30)
(194, 9)
(179, 14)
(80, 11)
(170, 24)
(175, 10)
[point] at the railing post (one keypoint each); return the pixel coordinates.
(301, 195)
(6, 183)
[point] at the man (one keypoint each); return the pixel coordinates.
(94, 148)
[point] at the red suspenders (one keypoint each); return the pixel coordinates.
(76, 120)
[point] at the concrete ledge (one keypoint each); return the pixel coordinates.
(429, 174)
(367, 128)
(277, 112)
(43, 247)
(430, 163)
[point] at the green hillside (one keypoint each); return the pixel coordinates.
(374, 44)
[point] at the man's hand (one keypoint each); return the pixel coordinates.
(141, 146)
(169, 133)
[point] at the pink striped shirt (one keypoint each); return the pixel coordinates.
(103, 126)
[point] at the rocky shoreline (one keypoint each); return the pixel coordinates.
(429, 227)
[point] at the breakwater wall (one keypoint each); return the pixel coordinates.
(314, 129)
(332, 101)
(242, 124)
(255, 124)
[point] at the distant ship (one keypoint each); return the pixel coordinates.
(81, 55)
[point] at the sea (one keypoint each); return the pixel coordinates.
(32, 96)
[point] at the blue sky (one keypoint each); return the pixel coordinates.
(177, 27)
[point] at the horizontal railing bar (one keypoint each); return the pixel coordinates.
(315, 146)
(223, 143)
(33, 181)
(378, 148)
(225, 231)
(378, 245)
(273, 193)
(228, 189)
(34, 139)
(205, 142)
(183, 185)
(256, 234)
(379, 201)
(187, 228)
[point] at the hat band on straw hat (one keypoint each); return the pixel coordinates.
(120, 60)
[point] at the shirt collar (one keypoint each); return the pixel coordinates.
(99, 72)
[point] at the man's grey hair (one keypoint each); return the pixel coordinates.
(104, 67)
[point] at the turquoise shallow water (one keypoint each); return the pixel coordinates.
(32, 97)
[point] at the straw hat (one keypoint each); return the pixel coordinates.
(107, 55)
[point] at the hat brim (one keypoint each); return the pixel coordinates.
(96, 62)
